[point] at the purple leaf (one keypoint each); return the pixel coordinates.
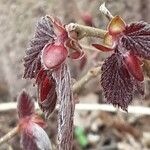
(25, 105)
(47, 92)
(66, 107)
(133, 65)
(33, 137)
(53, 55)
(43, 34)
(116, 82)
(137, 39)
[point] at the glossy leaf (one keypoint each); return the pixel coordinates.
(43, 34)
(47, 92)
(53, 55)
(25, 106)
(116, 82)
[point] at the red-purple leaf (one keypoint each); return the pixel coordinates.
(116, 82)
(133, 65)
(33, 137)
(47, 92)
(66, 107)
(25, 105)
(53, 55)
(43, 34)
(137, 39)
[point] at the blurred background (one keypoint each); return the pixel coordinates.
(94, 130)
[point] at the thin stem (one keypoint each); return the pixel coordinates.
(9, 135)
(84, 31)
(90, 74)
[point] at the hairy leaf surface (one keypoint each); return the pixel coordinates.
(137, 39)
(25, 105)
(43, 34)
(66, 107)
(116, 82)
(34, 137)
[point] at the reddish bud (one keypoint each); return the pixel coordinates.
(53, 55)
(33, 137)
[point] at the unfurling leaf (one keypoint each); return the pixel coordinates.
(137, 39)
(47, 92)
(25, 105)
(116, 82)
(53, 55)
(123, 70)
(33, 137)
(66, 107)
(43, 34)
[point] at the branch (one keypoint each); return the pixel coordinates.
(90, 74)
(84, 31)
(9, 135)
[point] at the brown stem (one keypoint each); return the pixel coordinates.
(84, 31)
(9, 135)
(90, 74)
